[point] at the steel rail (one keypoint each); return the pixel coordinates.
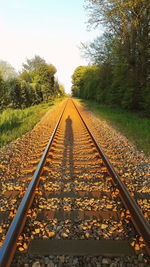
(9, 246)
(140, 223)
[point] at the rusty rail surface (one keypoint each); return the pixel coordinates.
(9, 246)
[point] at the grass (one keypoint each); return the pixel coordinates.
(16, 122)
(135, 127)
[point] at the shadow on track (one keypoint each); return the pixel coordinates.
(67, 160)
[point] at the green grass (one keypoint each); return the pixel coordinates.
(16, 122)
(135, 127)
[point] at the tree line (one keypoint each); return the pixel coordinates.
(118, 72)
(36, 83)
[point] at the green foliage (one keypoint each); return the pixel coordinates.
(33, 64)
(132, 125)
(2, 92)
(44, 76)
(122, 55)
(59, 89)
(39, 73)
(88, 82)
(25, 76)
(15, 93)
(16, 122)
(28, 94)
(37, 91)
(77, 80)
(10, 119)
(145, 101)
(35, 84)
(7, 71)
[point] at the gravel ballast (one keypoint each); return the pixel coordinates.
(22, 157)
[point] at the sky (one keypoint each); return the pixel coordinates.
(52, 29)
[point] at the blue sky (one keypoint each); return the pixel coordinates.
(52, 29)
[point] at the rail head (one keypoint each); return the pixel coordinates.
(8, 249)
(140, 223)
(9, 246)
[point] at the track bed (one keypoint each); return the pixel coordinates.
(76, 215)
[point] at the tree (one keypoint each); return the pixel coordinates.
(25, 76)
(28, 95)
(126, 51)
(37, 71)
(7, 71)
(37, 88)
(33, 64)
(86, 82)
(100, 51)
(36, 83)
(77, 80)
(15, 93)
(44, 76)
(2, 92)
(61, 90)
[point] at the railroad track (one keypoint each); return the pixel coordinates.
(75, 204)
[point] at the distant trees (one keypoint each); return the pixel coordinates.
(41, 75)
(85, 82)
(122, 53)
(36, 83)
(2, 92)
(34, 63)
(59, 89)
(7, 71)
(77, 81)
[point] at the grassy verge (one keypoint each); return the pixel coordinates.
(135, 127)
(15, 123)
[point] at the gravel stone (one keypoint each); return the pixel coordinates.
(50, 264)
(113, 265)
(60, 176)
(36, 264)
(62, 259)
(75, 261)
(140, 258)
(46, 260)
(106, 261)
